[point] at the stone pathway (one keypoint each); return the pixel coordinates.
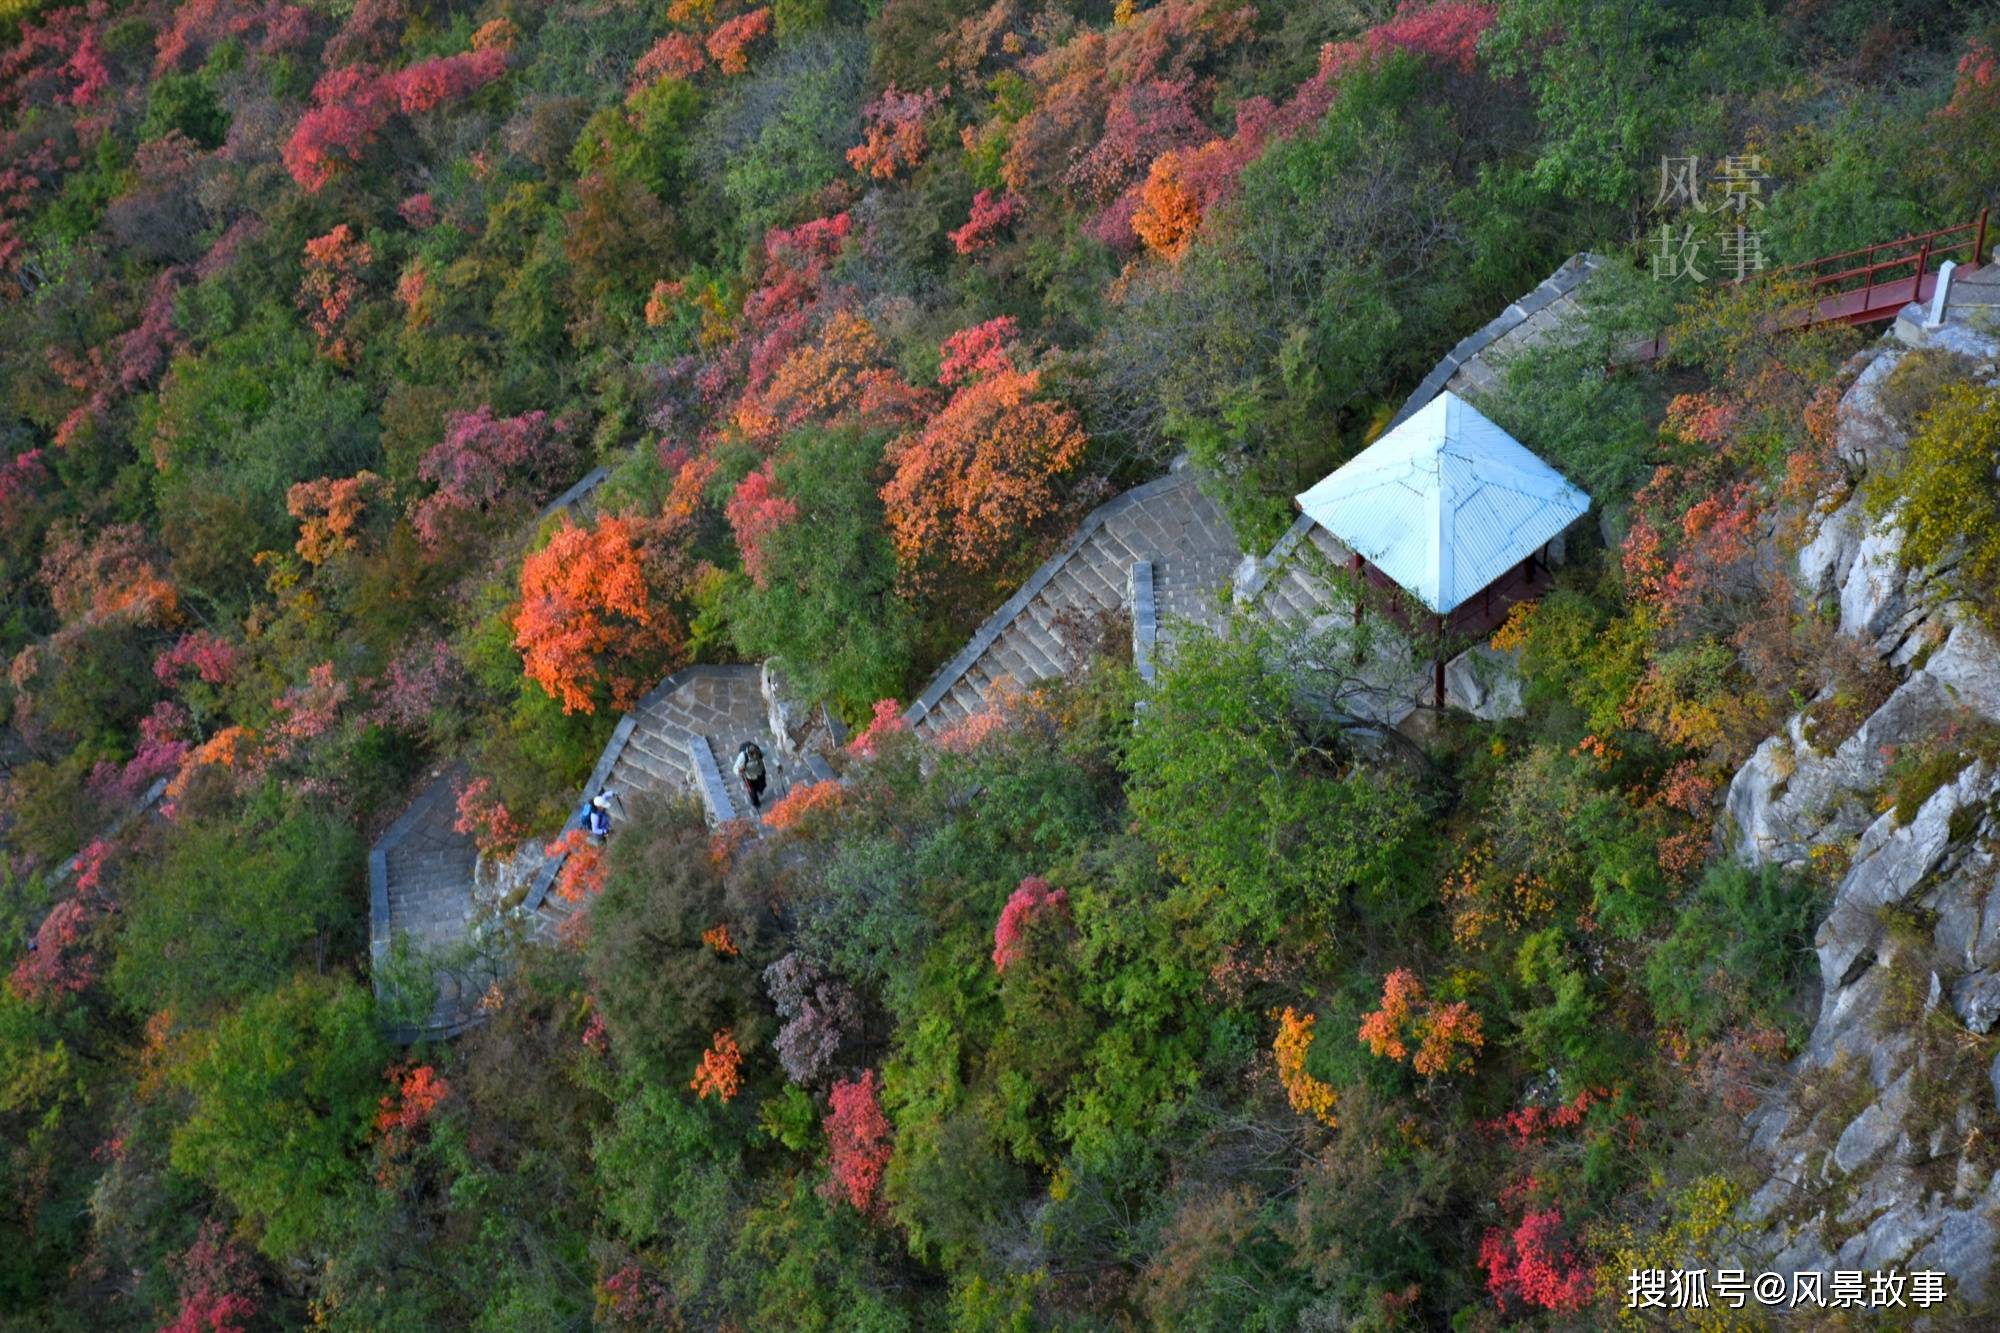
(1167, 523)
(422, 889)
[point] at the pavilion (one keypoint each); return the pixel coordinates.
(1453, 510)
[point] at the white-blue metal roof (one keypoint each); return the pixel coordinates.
(1445, 503)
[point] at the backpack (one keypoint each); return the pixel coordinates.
(753, 762)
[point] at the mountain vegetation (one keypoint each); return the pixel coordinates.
(1123, 1006)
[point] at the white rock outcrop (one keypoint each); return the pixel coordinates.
(1891, 1168)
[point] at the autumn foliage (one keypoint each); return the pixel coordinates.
(1436, 1038)
(895, 132)
(729, 45)
(678, 55)
(755, 511)
(482, 463)
(719, 1073)
(589, 624)
(804, 804)
(583, 870)
(1536, 1265)
(353, 105)
(983, 471)
(991, 214)
(1032, 901)
(485, 818)
(217, 1285)
(418, 1092)
(1307, 1094)
(329, 512)
(859, 1143)
(886, 720)
(62, 961)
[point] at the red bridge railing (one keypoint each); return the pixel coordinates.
(1864, 286)
(1875, 282)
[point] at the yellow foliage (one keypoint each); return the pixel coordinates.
(1309, 1096)
(1704, 1228)
(1512, 636)
(1944, 494)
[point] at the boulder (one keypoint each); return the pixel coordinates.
(1875, 591)
(1976, 999)
(1485, 683)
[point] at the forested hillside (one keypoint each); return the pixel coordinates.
(1120, 1004)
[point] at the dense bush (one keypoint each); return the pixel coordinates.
(664, 989)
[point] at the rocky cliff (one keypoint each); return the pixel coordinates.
(1884, 1138)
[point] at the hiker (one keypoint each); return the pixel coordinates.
(750, 767)
(597, 816)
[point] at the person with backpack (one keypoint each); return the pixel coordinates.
(597, 816)
(750, 767)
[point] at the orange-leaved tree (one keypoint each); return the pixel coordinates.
(983, 470)
(1435, 1037)
(592, 621)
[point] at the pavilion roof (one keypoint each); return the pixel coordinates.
(1445, 503)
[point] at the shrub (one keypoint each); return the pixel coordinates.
(1738, 952)
(664, 992)
(1944, 495)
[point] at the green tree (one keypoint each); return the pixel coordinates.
(1262, 824)
(233, 904)
(284, 1091)
(829, 609)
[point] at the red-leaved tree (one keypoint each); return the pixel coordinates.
(217, 1285)
(859, 1143)
(1033, 900)
(756, 511)
(730, 43)
(894, 140)
(981, 472)
(481, 464)
(1536, 1266)
(332, 284)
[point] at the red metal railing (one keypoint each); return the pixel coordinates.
(1865, 276)
(1857, 293)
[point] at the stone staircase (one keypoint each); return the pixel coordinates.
(422, 887)
(1289, 587)
(1168, 524)
(690, 733)
(681, 740)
